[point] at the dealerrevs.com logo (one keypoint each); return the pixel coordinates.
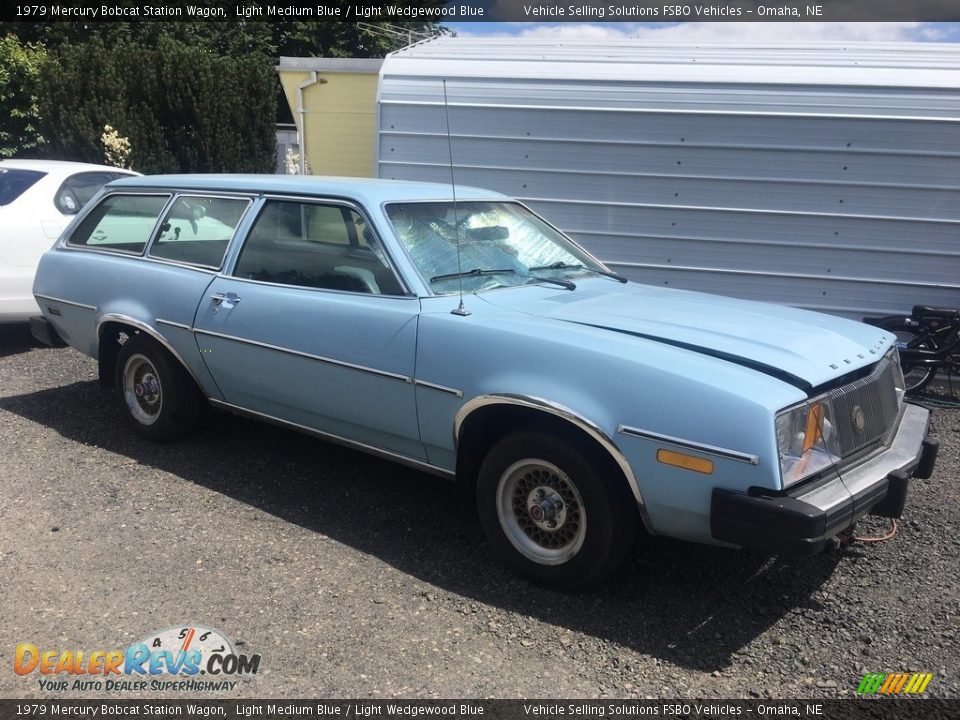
(191, 657)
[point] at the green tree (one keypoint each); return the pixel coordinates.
(360, 40)
(183, 92)
(183, 108)
(19, 73)
(298, 38)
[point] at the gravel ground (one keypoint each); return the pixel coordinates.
(353, 577)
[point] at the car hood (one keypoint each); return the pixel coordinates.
(804, 348)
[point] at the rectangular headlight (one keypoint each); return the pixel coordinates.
(807, 440)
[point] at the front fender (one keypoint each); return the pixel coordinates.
(633, 395)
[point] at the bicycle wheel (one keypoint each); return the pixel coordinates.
(915, 377)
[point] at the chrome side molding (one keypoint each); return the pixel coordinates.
(309, 356)
(691, 445)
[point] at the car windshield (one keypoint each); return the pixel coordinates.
(15, 182)
(501, 244)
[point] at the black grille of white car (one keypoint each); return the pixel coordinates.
(865, 410)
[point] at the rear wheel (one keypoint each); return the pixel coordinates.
(157, 396)
(549, 513)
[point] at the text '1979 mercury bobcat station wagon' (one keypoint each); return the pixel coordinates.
(470, 338)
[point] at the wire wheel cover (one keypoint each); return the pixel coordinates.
(541, 511)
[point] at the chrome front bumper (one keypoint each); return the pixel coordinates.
(801, 521)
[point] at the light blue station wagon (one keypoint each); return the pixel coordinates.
(468, 337)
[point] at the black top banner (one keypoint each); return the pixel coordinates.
(726, 10)
(494, 11)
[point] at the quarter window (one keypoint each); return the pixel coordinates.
(197, 230)
(121, 223)
(317, 246)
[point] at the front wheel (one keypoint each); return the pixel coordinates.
(549, 513)
(157, 396)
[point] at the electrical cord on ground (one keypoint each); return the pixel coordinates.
(879, 538)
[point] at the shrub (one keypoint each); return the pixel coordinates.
(182, 108)
(19, 74)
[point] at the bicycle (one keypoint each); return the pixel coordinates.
(928, 341)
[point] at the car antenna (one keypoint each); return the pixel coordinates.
(460, 309)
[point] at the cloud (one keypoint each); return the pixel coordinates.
(717, 31)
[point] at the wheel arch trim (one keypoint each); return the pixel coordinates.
(564, 413)
(152, 332)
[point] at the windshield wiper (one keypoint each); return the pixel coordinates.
(560, 265)
(568, 284)
(476, 272)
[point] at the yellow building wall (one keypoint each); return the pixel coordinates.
(339, 120)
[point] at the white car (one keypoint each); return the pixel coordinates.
(38, 199)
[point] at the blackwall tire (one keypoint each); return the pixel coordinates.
(550, 514)
(157, 397)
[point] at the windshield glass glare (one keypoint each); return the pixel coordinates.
(493, 236)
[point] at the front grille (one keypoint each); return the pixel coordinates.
(865, 410)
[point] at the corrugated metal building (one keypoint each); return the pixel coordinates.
(818, 175)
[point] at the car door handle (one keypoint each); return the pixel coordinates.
(220, 298)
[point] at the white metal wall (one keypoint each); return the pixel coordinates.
(822, 176)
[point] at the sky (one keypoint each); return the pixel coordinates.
(719, 31)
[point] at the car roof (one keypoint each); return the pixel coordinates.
(371, 191)
(64, 166)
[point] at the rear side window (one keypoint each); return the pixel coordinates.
(77, 190)
(121, 223)
(197, 230)
(15, 182)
